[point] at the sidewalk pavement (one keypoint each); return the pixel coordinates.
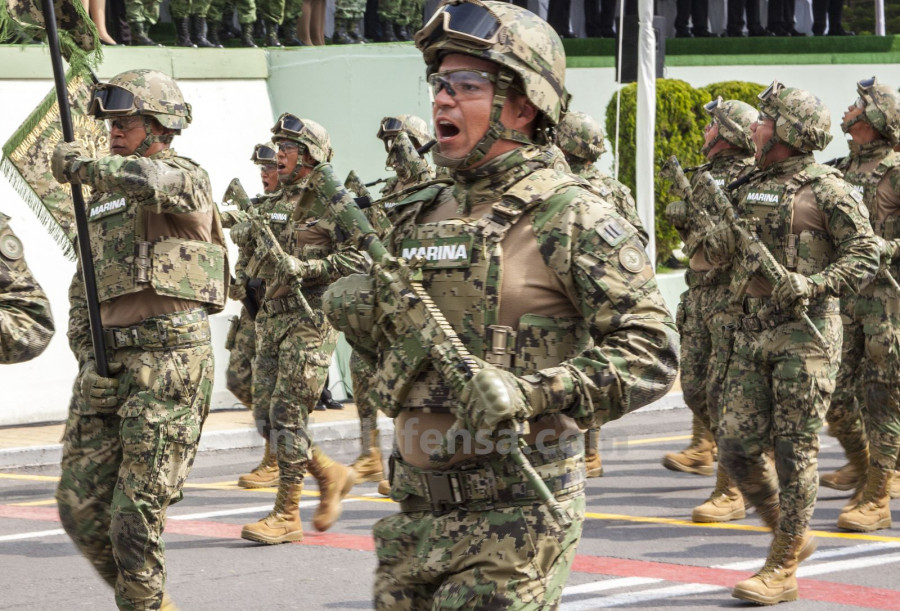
(228, 429)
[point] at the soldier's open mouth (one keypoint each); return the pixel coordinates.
(446, 130)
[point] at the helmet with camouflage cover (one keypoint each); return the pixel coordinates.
(881, 109)
(527, 50)
(415, 127)
(733, 118)
(802, 121)
(306, 132)
(264, 153)
(580, 135)
(142, 92)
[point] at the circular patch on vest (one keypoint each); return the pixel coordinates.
(11, 247)
(631, 259)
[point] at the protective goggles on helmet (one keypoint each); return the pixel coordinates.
(111, 100)
(263, 153)
(866, 84)
(711, 106)
(390, 127)
(467, 20)
(463, 83)
(771, 91)
(289, 124)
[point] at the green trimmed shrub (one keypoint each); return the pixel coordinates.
(679, 131)
(744, 91)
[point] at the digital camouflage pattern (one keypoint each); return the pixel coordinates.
(350, 9)
(26, 322)
(241, 344)
(78, 37)
(312, 135)
(733, 118)
(141, 11)
(155, 95)
(882, 110)
(414, 126)
(27, 154)
(612, 190)
(780, 378)
(580, 135)
(410, 167)
(802, 121)
(125, 189)
(866, 403)
(220, 10)
(402, 12)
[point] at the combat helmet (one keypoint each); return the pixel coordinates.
(734, 118)
(527, 50)
(881, 109)
(415, 127)
(142, 92)
(579, 135)
(264, 154)
(306, 132)
(802, 121)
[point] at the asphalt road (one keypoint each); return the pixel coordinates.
(639, 549)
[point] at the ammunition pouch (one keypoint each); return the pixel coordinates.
(176, 330)
(761, 313)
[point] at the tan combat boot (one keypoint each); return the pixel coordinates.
(384, 488)
(698, 456)
(368, 466)
(724, 504)
(873, 511)
(282, 525)
(777, 581)
(593, 464)
(849, 476)
(263, 475)
(335, 481)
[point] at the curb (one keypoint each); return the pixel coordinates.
(323, 432)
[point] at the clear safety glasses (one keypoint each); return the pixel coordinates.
(462, 84)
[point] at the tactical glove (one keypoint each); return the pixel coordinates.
(241, 234)
(719, 244)
(97, 391)
(794, 287)
(495, 396)
(677, 213)
(290, 269)
(237, 291)
(888, 250)
(63, 156)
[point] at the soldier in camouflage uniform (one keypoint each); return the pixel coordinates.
(409, 169)
(707, 317)
(294, 341)
(141, 14)
(865, 412)
(26, 323)
(782, 372)
(221, 10)
(347, 17)
(399, 19)
(131, 437)
(591, 298)
(241, 340)
(189, 18)
(580, 138)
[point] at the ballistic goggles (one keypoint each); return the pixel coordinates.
(466, 20)
(711, 106)
(866, 84)
(390, 127)
(111, 100)
(462, 84)
(288, 124)
(263, 154)
(771, 91)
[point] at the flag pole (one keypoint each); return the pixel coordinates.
(84, 244)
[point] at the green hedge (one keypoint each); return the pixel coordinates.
(679, 131)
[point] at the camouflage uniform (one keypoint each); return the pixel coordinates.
(221, 9)
(405, 16)
(184, 8)
(26, 323)
(409, 166)
(511, 213)
(865, 412)
(780, 377)
(131, 438)
(295, 342)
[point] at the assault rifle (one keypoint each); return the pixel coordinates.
(356, 185)
(425, 332)
(265, 242)
(756, 257)
(671, 170)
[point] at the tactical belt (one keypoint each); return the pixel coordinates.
(774, 317)
(289, 303)
(158, 332)
(488, 482)
(712, 277)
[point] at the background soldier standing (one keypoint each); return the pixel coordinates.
(707, 317)
(131, 438)
(220, 12)
(782, 370)
(26, 323)
(580, 138)
(865, 412)
(294, 341)
(549, 341)
(409, 169)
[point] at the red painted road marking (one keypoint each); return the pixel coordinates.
(810, 589)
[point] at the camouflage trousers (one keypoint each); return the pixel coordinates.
(140, 11)
(866, 403)
(515, 558)
(360, 374)
(220, 10)
(777, 390)
(292, 358)
(349, 9)
(706, 322)
(241, 343)
(402, 12)
(121, 469)
(184, 8)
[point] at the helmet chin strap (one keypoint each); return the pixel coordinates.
(708, 147)
(496, 130)
(767, 147)
(150, 139)
(846, 125)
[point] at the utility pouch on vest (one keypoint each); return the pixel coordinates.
(189, 269)
(544, 342)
